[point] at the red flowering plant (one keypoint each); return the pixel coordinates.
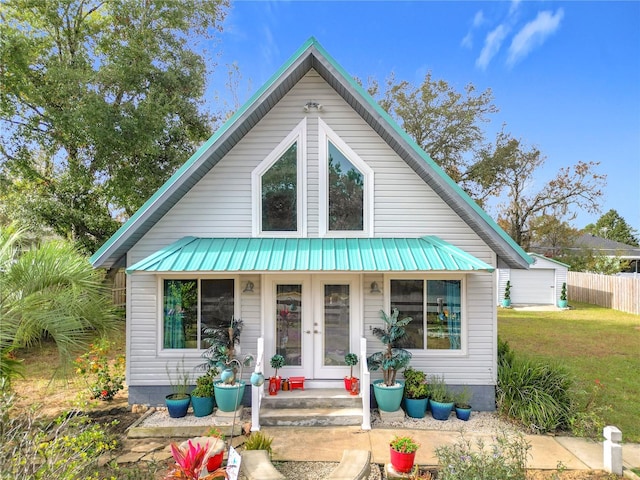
(191, 463)
(105, 377)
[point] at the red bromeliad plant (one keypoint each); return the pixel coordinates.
(191, 462)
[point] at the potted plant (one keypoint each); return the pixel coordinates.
(350, 359)
(416, 393)
(441, 398)
(191, 460)
(388, 392)
(506, 301)
(403, 453)
(562, 303)
(202, 395)
(462, 403)
(277, 361)
(220, 353)
(178, 401)
(215, 460)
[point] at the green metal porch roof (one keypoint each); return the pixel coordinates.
(191, 254)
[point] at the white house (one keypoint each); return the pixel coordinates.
(541, 284)
(307, 213)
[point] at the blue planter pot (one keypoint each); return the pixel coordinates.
(506, 303)
(440, 411)
(463, 413)
(415, 407)
(563, 303)
(202, 406)
(229, 397)
(177, 407)
(388, 398)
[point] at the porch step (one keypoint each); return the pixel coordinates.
(311, 407)
(310, 417)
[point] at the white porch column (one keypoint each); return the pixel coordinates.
(257, 392)
(365, 380)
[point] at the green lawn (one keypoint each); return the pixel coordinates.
(594, 343)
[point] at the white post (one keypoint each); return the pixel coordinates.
(257, 392)
(612, 450)
(365, 379)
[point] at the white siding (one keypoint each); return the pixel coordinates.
(220, 205)
(560, 277)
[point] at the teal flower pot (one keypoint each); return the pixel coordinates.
(202, 406)
(388, 398)
(563, 303)
(415, 407)
(177, 407)
(463, 413)
(440, 411)
(229, 397)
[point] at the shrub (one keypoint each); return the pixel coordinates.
(536, 394)
(404, 444)
(415, 385)
(438, 390)
(258, 441)
(506, 459)
(505, 354)
(105, 378)
(65, 449)
(587, 418)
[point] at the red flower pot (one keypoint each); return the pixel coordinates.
(402, 462)
(347, 383)
(273, 386)
(214, 462)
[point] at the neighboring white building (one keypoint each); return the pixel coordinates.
(307, 213)
(541, 284)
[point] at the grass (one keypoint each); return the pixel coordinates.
(595, 344)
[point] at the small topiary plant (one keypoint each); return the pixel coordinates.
(351, 359)
(277, 361)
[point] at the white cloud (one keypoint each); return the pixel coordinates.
(492, 44)
(478, 19)
(467, 41)
(514, 6)
(534, 34)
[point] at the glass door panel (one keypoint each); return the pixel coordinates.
(289, 328)
(337, 304)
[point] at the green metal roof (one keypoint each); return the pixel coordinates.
(191, 254)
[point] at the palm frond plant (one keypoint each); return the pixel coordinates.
(221, 346)
(392, 358)
(49, 291)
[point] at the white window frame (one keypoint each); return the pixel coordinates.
(190, 352)
(326, 134)
(464, 325)
(298, 134)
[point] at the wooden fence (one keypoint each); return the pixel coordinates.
(619, 293)
(119, 289)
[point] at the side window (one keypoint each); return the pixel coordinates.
(435, 306)
(346, 193)
(191, 306)
(279, 189)
(346, 188)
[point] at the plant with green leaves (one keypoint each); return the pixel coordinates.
(393, 358)
(221, 342)
(438, 390)
(415, 385)
(462, 398)
(179, 379)
(404, 444)
(49, 290)
(351, 359)
(277, 362)
(105, 377)
(563, 292)
(204, 385)
(258, 441)
(506, 459)
(537, 394)
(507, 290)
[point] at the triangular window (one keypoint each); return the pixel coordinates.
(279, 189)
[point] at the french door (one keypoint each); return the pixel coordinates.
(312, 321)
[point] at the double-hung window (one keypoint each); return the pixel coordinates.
(436, 308)
(190, 306)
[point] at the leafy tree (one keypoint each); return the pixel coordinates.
(443, 122)
(589, 260)
(98, 107)
(51, 291)
(575, 187)
(550, 235)
(613, 227)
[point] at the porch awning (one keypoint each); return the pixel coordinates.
(191, 254)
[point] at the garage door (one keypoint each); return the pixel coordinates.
(533, 286)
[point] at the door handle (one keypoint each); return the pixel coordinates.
(317, 331)
(308, 331)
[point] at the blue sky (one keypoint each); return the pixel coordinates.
(565, 75)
